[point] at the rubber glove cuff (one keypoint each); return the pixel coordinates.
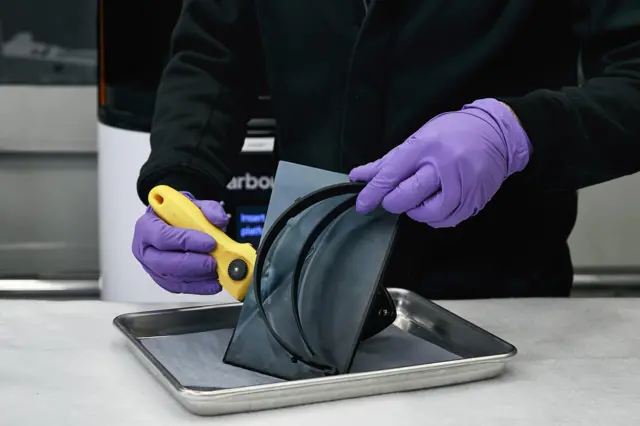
(518, 147)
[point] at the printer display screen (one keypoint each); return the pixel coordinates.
(249, 221)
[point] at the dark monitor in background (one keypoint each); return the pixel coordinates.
(44, 42)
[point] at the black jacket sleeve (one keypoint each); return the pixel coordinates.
(202, 104)
(586, 135)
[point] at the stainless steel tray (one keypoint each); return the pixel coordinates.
(427, 347)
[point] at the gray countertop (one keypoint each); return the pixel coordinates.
(62, 363)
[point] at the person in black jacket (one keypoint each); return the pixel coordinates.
(466, 115)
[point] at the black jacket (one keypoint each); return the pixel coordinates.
(350, 80)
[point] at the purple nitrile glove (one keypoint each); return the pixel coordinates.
(178, 259)
(450, 168)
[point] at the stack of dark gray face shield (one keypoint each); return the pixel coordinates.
(316, 290)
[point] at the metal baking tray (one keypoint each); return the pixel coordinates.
(426, 347)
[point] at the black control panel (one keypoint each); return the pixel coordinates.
(248, 196)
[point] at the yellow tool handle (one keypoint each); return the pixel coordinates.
(235, 260)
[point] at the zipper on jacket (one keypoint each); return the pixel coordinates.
(365, 4)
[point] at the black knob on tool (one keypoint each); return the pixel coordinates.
(238, 269)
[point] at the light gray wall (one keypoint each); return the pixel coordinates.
(48, 213)
(607, 233)
(48, 118)
(48, 181)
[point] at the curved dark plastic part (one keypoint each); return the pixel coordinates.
(271, 236)
(304, 252)
(381, 314)
(382, 311)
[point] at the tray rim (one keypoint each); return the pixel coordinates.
(216, 404)
(303, 383)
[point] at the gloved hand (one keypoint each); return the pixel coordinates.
(179, 259)
(450, 168)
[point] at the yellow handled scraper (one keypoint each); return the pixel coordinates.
(235, 260)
